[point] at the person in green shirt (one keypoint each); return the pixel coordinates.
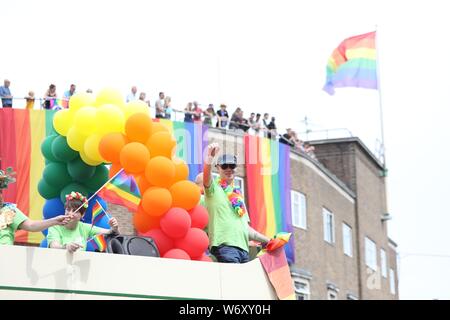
(12, 219)
(74, 235)
(228, 227)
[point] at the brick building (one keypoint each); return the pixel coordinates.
(340, 220)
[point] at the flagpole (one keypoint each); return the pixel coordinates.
(100, 189)
(380, 102)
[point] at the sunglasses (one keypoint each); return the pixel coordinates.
(226, 166)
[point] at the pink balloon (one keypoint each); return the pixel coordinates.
(199, 217)
(177, 254)
(162, 241)
(195, 242)
(176, 223)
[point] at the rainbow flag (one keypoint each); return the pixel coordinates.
(97, 212)
(277, 269)
(97, 243)
(122, 190)
(192, 140)
(21, 134)
(269, 184)
(353, 64)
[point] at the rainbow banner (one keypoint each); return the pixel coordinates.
(97, 212)
(192, 139)
(21, 135)
(269, 184)
(353, 64)
(123, 190)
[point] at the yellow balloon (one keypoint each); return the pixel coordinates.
(110, 118)
(91, 148)
(109, 96)
(87, 160)
(135, 106)
(79, 100)
(62, 121)
(85, 120)
(75, 139)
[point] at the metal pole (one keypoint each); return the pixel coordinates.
(383, 148)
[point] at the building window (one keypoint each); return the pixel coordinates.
(328, 226)
(383, 263)
(332, 295)
(347, 239)
(302, 289)
(298, 205)
(371, 254)
(392, 280)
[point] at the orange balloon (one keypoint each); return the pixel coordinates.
(181, 169)
(138, 127)
(156, 201)
(161, 144)
(185, 194)
(160, 172)
(159, 127)
(110, 146)
(134, 157)
(115, 167)
(142, 182)
(143, 222)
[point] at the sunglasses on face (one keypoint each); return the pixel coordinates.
(228, 166)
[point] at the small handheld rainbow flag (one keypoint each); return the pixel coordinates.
(97, 243)
(97, 212)
(122, 190)
(353, 64)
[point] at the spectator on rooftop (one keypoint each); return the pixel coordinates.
(160, 106)
(272, 127)
(50, 97)
(210, 115)
(287, 137)
(223, 117)
(5, 94)
(66, 96)
(133, 94)
(168, 107)
(236, 119)
(265, 126)
(197, 112)
(188, 113)
(30, 100)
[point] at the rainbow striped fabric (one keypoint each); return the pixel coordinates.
(97, 243)
(21, 134)
(353, 64)
(279, 240)
(122, 190)
(269, 179)
(192, 139)
(97, 212)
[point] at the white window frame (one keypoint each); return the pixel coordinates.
(370, 249)
(392, 280)
(331, 234)
(302, 292)
(383, 262)
(347, 239)
(332, 295)
(298, 210)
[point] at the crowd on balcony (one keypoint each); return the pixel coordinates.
(255, 124)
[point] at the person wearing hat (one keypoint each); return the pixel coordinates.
(228, 226)
(12, 219)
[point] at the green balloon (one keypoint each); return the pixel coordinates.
(46, 148)
(61, 150)
(80, 171)
(98, 179)
(72, 187)
(46, 190)
(55, 174)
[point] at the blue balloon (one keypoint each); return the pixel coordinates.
(52, 208)
(44, 243)
(87, 218)
(44, 232)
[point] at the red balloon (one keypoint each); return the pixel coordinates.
(176, 223)
(195, 242)
(177, 254)
(203, 257)
(162, 241)
(199, 217)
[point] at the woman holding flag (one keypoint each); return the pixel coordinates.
(75, 234)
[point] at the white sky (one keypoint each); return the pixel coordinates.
(269, 56)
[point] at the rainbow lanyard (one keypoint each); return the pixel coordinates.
(234, 194)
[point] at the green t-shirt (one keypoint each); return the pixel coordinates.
(80, 234)
(7, 235)
(224, 226)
